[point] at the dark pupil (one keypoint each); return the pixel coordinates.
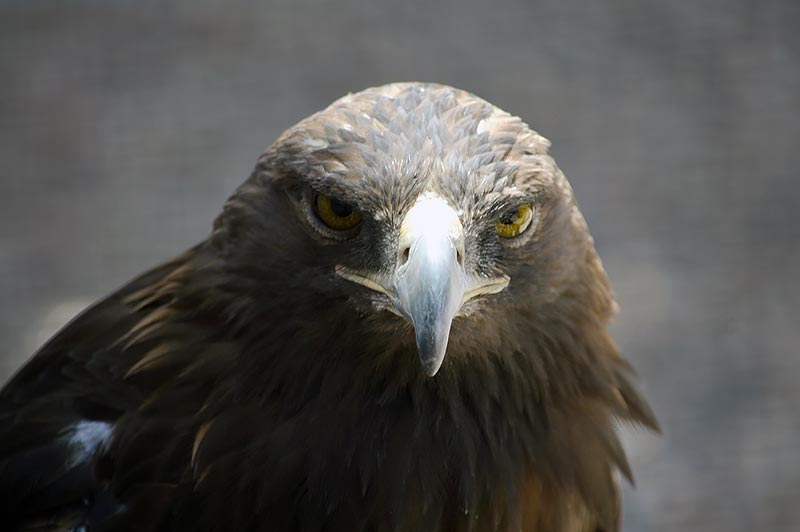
(509, 217)
(342, 210)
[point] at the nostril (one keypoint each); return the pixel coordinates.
(459, 257)
(405, 254)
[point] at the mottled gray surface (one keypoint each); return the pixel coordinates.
(124, 125)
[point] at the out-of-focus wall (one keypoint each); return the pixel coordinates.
(124, 125)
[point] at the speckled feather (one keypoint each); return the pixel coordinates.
(243, 386)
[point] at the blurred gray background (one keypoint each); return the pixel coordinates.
(124, 125)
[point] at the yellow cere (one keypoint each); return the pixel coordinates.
(335, 214)
(516, 223)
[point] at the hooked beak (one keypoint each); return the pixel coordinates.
(429, 284)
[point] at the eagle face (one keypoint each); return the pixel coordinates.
(430, 212)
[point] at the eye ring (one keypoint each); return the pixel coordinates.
(514, 222)
(335, 214)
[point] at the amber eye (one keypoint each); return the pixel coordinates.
(335, 214)
(515, 221)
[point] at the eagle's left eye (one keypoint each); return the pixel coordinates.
(336, 214)
(515, 222)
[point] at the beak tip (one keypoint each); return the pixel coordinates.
(431, 351)
(431, 367)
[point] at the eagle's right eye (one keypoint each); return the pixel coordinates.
(336, 214)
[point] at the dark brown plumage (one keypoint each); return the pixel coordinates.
(298, 370)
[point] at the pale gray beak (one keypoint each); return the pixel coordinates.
(430, 283)
(429, 290)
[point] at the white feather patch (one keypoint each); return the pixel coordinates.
(84, 439)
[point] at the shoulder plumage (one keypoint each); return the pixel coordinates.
(71, 404)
